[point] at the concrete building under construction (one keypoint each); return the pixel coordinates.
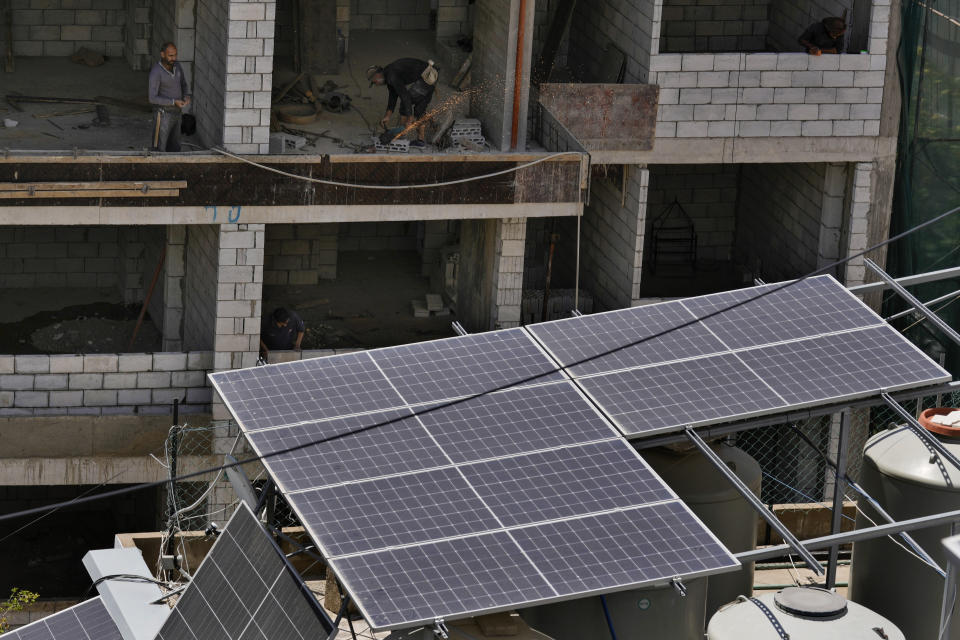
(631, 150)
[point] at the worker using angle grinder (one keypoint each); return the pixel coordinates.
(412, 81)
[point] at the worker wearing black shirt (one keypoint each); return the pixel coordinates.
(282, 330)
(825, 36)
(411, 81)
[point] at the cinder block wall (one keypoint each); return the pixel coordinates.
(790, 18)
(136, 35)
(715, 26)
(790, 217)
(61, 27)
(104, 384)
(200, 287)
(378, 236)
(390, 15)
(59, 257)
(455, 17)
(300, 253)
(613, 238)
(284, 30)
(174, 21)
(633, 26)
(708, 194)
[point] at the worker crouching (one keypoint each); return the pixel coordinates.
(412, 82)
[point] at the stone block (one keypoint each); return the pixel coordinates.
(817, 128)
(50, 382)
(199, 395)
(33, 364)
(803, 112)
(99, 398)
(66, 399)
(120, 381)
(133, 396)
(31, 399)
(100, 363)
(785, 128)
(188, 379)
(6, 399)
(200, 360)
(135, 362)
(85, 381)
(167, 396)
(153, 380)
(756, 128)
(6, 364)
(16, 382)
(169, 361)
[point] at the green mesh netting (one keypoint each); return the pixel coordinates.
(928, 167)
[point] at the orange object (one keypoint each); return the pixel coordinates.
(926, 418)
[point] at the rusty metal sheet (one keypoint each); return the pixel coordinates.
(605, 117)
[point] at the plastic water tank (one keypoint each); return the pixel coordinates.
(899, 474)
(720, 506)
(801, 612)
(638, 613)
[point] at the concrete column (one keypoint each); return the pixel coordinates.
(613, 238)
(173, 273)
(858, 221)
(232, 91)
(832, 214)
(494, 68)
(490, 280)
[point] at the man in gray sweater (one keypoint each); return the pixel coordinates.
(169, 93)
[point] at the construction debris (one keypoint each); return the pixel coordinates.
(432, 305)
(466, 134)
(88, 57)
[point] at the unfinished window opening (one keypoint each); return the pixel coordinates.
(748, 26)
(47, 558)
(332, 108)
(79, 289)
(363, 284)
(549, 271)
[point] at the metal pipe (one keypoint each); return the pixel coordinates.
(908, 281)
(840, 475)
(795, 416)
(847, 537)
(905, 312)
(949, 595)
(754, 501)
(518, 75)
(928, 438)
(919, 306)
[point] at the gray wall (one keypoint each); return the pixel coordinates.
(717, 26)
(200, 287)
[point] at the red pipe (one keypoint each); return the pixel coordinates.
(518, 76)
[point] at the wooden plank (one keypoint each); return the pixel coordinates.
(105, 193)
(78, 186)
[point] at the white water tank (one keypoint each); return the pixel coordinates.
(900, 473)
(803, 613)
(638, 613)
(721, 507)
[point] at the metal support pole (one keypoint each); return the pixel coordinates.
(949, 594)
(908, 281)
(907, 312)
(847, 537)
(918, 306)
(754, 501)
(928, 438)
(838, 491)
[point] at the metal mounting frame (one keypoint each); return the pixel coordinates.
(925, 436)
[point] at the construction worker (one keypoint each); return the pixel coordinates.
(169, 93)
(283, 330)
(825, 36)
(412, 81)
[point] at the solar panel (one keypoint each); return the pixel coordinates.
(245, 589)
(441, 369)
(88, 620)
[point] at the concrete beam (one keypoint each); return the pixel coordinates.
(27, 215)
(753, 150)
(28, 472)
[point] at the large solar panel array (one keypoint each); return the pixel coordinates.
(245, 590)
(805, 344)
(453, 508)
(486, 474)
(88, 620)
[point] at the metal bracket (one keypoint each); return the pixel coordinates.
(576, 313)
(458, 328)
(918, 306)
(440, 629)
(264, 496)
(754, 501)
(928, 439)
(677, 584)
(163, 599)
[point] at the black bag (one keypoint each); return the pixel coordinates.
(188, 124)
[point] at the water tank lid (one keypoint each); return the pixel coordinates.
(810, 602)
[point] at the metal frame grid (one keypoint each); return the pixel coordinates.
(88, 620)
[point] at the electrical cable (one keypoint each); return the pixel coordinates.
(395, 187)
(123, 577)
(443, 405)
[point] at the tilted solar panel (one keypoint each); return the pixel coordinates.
(88, 620)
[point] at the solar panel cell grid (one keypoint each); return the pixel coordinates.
(662, 398)
(622, 339)
(622, 548)
(393, 511)
(88, 620)
(305, 390)
(431, 371)
(565, 482)
(399, 445)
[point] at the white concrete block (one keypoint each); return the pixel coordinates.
(817, 128)
(756, 128)
(691, 129)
